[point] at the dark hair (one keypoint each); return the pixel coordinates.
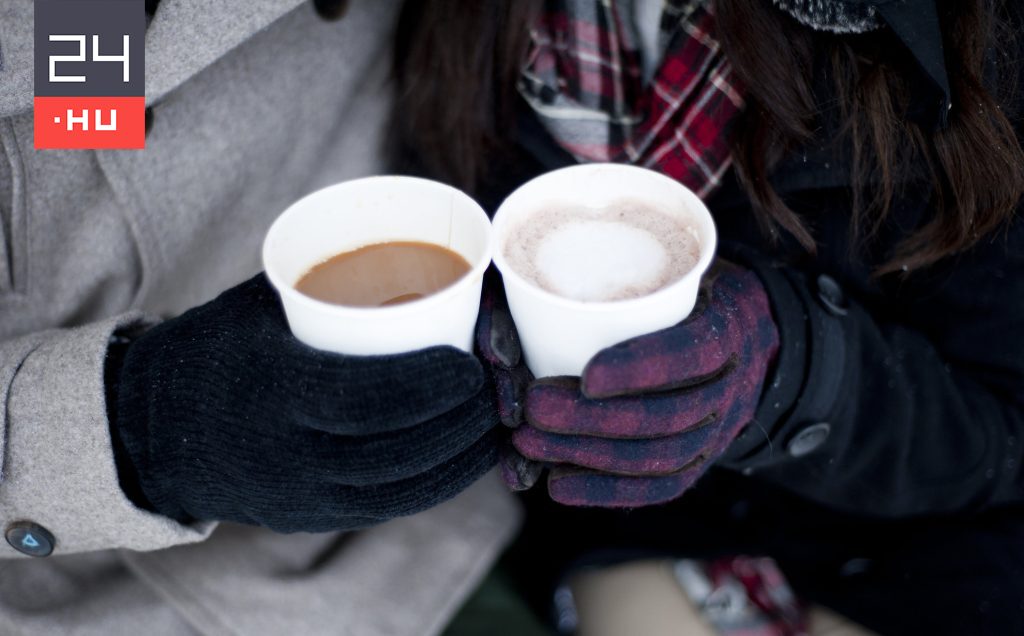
(457, 62)
(456, 66)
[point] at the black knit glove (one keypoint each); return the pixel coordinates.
(221, 414)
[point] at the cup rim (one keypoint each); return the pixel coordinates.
(499, 224)
(475, 272)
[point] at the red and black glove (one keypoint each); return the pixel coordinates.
(649, 415)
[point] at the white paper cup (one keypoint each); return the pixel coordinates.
(560, 335)
(350, 215)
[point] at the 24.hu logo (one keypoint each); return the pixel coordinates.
(89, 74)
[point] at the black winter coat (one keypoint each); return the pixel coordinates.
(883, 471)
(891, 397)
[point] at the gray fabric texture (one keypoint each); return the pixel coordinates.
(256, 103)
(60, 470)
(407, 577)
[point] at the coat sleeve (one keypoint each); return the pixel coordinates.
(920, 414)
(57, 465)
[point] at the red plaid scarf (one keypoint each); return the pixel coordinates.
(583, 79)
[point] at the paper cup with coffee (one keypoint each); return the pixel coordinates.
(384, 264)
(594, 254)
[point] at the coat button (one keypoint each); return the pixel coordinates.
(30, 538)
(809, 439)
(330, 10)
(831, 295)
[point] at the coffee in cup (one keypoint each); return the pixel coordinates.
(380, 265)
(625, 249)
(383, 274)
(595, 254)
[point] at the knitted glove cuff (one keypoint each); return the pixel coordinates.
(127, 474)
(130, 428)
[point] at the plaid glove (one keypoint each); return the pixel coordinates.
(649, 415)
(498, 344)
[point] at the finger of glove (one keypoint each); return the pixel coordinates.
(555, 405)
(641, 457)
(496, 335)
(395, 455)
(352, 395)
(680, 356)
(509, 409)
(502, 340)
(413, 494)
(698, 348)
(518, 472)
(576, 487)
(510, 386)
(254, 298)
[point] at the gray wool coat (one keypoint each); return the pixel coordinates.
(255, 103)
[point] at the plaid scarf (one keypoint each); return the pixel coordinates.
(583, 79)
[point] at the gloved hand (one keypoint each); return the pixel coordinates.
(221, 414)
(498, 343)
(649, 415)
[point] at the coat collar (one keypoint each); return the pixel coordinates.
(916, 24)
(184, 37)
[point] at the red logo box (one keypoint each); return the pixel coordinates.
(89, 74)
(90, 122)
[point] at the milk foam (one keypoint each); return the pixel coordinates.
(625, 250)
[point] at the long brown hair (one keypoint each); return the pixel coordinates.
(456, 65)
(457, 61)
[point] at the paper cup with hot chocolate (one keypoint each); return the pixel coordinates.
(380, 265)
(595, 254)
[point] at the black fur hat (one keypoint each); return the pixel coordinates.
(836, 16)
(914, 22)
